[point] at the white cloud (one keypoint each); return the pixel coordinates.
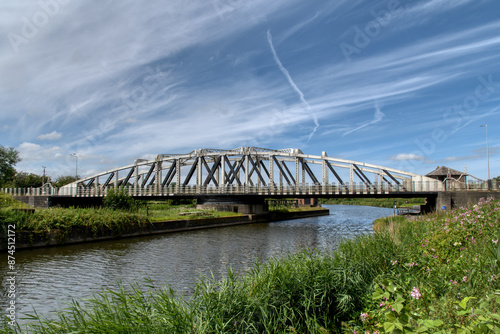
(407, 156)
(54, 135)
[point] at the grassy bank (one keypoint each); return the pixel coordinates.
(432, 274)
(96, 218)
(377, 202)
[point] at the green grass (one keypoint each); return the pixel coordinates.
(160, 211)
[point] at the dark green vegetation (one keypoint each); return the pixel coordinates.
(119, 215)
(431, 274)
(8, 159)
(377, 202)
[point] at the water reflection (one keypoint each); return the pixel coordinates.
(49, 278)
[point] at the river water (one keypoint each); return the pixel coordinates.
(47, 279)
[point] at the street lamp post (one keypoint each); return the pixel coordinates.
(487, 153)
(76, 167)
(43, 177)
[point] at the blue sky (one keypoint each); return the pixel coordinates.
(400, 83)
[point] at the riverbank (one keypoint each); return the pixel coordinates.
(431, 274)
(65, 227)
(377, 202)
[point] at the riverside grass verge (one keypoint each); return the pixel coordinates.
(377, 202)
(433, 274)
(37, 225)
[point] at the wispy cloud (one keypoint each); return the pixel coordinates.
(377, 117)
(119, 80)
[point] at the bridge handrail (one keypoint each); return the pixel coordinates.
(274, 189)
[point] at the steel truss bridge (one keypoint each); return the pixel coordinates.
(251, 171)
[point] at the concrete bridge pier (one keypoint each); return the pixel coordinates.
(447, 200)
(247, 205)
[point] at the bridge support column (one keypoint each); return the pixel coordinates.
(222, 175)
(271, 175)
(158, 176)
(324, 179)
(247, 173)
(247, 205)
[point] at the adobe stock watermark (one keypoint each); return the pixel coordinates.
(363, 36)
(454, 118)
(222, 7)
(31, 26)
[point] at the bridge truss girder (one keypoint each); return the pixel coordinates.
(249, 169)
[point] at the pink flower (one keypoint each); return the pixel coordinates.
(415, 293)
(494, 241)
(363, 316)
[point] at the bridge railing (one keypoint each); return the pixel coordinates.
(274, 189)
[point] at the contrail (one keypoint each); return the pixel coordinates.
(292, 83)
(377, 117)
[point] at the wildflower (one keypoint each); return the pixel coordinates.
(494, 241)
(363, 316)
(415, 293)
(464, 279)
(394, 262)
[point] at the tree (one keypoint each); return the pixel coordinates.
(63, 180)
(9, 157)
(25, 180)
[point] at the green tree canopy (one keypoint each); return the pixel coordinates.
(9, 157)
(25, 180)
(63, 180)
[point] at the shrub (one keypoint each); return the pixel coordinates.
(118, 199)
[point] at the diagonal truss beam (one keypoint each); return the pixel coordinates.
(336, 175)
(282, 171)
(146, 178)
(289, 173)
(311, 174)
(211, 171)
(191, 171)
(393, 178)
(233, 173)
(170, 175)
(110, 177)
(362, 176)
(127, 178)
(254, 168)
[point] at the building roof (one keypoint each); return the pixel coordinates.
(445, 171)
